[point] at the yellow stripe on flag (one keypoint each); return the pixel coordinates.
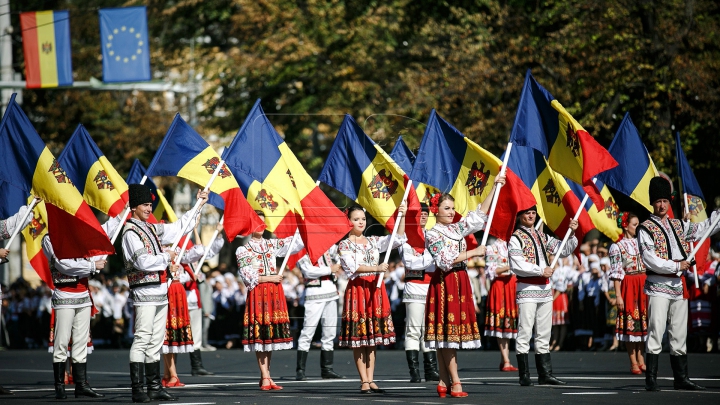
(382, 187)
(296, 173)
(268, 200)
(564, 157)
(475, 178)
(200, 169)
(46, 48)
(103, 185)
(640, 193)
(53, 185)
(549, 190)
(164, 208)
(34, 232)
(605, 220)
(424, 193)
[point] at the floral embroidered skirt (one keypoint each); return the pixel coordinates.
(450, 321)
(561, 310)
(631, 323)
(366, 318)
(266, 325)
(51, 340)
(178, 335)
(501, 313)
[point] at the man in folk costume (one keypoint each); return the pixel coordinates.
(146, 265)
(419, 269)
(664, 247)
(73, 308)
(321, 296)
(529, 250)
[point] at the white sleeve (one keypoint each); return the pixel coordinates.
(111, 225)
(8, 226)
(383, 242)
(71, 267)
(312, 272)
(553, 245)
(518, 264)
(135, 252)
(695, 231)
(473, 222)
(413, 260)
(646, 244)
(286, 246)
(168, 233)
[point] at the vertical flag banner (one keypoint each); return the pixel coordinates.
(125, 44)
(456, 165)
(360, 169)
(635, 167)
(94, 176)
(29, 165)
(605, 218)
(403, 156)
(46, 46)
(33, 235)
(276, 183)
(543, 124)
(161, 207)
(184, 153)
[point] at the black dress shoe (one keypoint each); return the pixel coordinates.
(362, 391)
(376, 390)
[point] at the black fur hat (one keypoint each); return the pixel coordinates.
(659, 189)
(533, 208)
(139, 194)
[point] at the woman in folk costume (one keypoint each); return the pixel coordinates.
(450, 321)
(501, 313)
(266, 322)
(627, 271)
(366, 318)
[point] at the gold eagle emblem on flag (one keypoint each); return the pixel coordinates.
(477, 179)
(266, 201)
(611, 209)
(573, 142)
(213, 163)
(383, 185)
(551, 194)
(103, 182)
(59, 172)
(36, 228)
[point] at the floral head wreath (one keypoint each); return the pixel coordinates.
(434, 202)
(623, 221)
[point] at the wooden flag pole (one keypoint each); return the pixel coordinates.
(292, 243)
(495, 196)
(692, 244)
(567, 233)
(394, 232)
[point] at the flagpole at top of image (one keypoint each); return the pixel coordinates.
(692, 244)
(394, 232)
(292, 243)
(495, 196)
(581, 207)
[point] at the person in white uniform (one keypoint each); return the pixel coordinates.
(321, 298)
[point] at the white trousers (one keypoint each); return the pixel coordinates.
(150, 323)
(538, 314)
(415, 327)
(196, 327)
(314, 311)
(661, 313)
(75, 323)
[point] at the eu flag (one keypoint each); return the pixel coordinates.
(124, 44)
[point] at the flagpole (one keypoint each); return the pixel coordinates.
(180, 255)
(567, 233)
(392, 235)
(207, 249)
(692, 244)
(713, 224)
(292, 243)
(18, 229)
(495, 196)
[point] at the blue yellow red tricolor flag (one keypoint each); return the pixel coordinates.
(403, 156)
(635, 167)
(454, 164)
(46, 45)
(162, 210)
(33, 235)
(184, 153)
(543, 124)
(94, 176)
(604, 219)
(30, 166)
(692, 198)
(276, 183)
(360, 169)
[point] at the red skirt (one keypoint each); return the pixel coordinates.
(501, 314)
(561, 310)
(178, 335)
(631, 324)
(266, 325)
(366, 317)
(450, 321)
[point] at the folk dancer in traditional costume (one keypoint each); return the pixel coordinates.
(419, 269)
(501, 316)
(321, 299)
(73, 308)
(628, 273)
(450, 321)
(146, 266)
(664, 245)
(266, 322)
(366, 318)
(528, 251)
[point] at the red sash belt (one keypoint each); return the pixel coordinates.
(426, 279)
(537, 280)
(80, 286)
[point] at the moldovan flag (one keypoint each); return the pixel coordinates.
(456, 165)
(46, 45)
(360, 169)
(693, 199)
(543, 124)
(161, 207)
(33, 235)
(30, 166)
(604, 219)
(635, 167)
(403, 156)
(94, 176)
(184, 153)
(276, 183)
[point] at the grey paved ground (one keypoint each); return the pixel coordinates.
(594, 378)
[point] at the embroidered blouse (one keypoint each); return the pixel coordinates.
(625, 259)
(353, 255)
(496, 256)
(445, 242)
(258, 256)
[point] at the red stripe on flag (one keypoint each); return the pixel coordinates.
(514, 197)
(571, 203)
(42, 268)
(324, 225)
(28, 24)
(78, 235)
(240, 218)
(596, 159)
(117, 208)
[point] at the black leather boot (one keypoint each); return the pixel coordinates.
(137, 380)
(413, 365)
(155, 390)
(300, 369)
(680, 374)
(544, 369)
(197, 365)
(59, 375)
(431, 367)
(326, 365)
(82, 388)
(524, 369)
(651, 367)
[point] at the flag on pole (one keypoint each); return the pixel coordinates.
(161, 207)
(276, 183)
(94, 176)
(604, 219)
(403, 156)
(454, 164)
(125, 44)
(33, 235)
(29, 165)
(46, 46)
(360, 169)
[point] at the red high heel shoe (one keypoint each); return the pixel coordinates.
(460, 394)
(642, 367)
(507, 367)
(442, 391)
(177, 383)
(163, 382)
(272, 385)
(635, 369)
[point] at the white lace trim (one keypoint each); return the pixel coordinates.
(630, 338)
(372, 342)
(503, 335)
(178, 349)
(473, 344)
(259, 347)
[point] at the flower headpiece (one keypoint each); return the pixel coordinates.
(434, 202)
(623, 221)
